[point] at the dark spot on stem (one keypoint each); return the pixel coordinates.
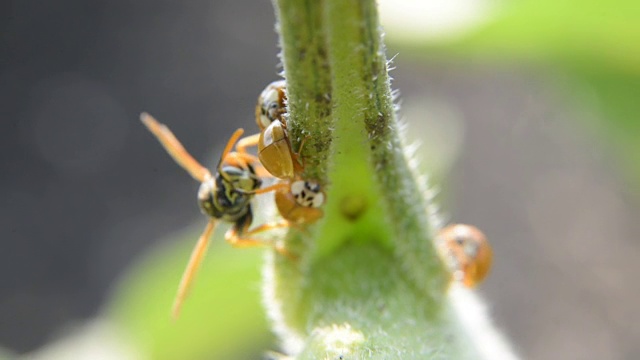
(353, 207)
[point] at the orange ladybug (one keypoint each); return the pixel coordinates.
(466, 253)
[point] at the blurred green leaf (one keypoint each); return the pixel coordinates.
(583, 33)
(222, 317)
(6, 354)
(595, 43)
(605, 33)
(613, 96)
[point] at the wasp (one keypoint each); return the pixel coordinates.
(301, 200)
(223, 196)
(466, 253)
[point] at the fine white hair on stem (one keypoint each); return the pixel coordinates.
(290, 341)
(474, 319)
(429, 193)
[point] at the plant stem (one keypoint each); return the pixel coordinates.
(308, 83)
(369, 283)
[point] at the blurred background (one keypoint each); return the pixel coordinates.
(528, 113)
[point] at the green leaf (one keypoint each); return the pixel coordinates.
(582, 33)
(611, 99)
(593, 44)
(222, 317)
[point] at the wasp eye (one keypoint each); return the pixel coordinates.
(207, 187)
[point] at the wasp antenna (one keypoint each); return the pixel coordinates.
(227, 149)
(151, 123)
(175, 148)
(192, 268)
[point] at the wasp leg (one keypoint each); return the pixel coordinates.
(274, 187)
(255, 161)
(241, 152)
(192, 267)
(175, 148)
(239, 159)
(248, 157)
(232, 140)
(228, 156)
(245, 142)
(241, 148)
(239, 235)
(268, 226)
(271, 226)
(261, 171)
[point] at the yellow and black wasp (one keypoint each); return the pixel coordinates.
(225, 195)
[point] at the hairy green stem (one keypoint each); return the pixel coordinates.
(308, 83)
(368, 283)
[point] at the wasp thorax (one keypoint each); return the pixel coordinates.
(307, 193)
(243, 179)
(227, 196)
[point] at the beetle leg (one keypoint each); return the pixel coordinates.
(299, 162)
(304, 140)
